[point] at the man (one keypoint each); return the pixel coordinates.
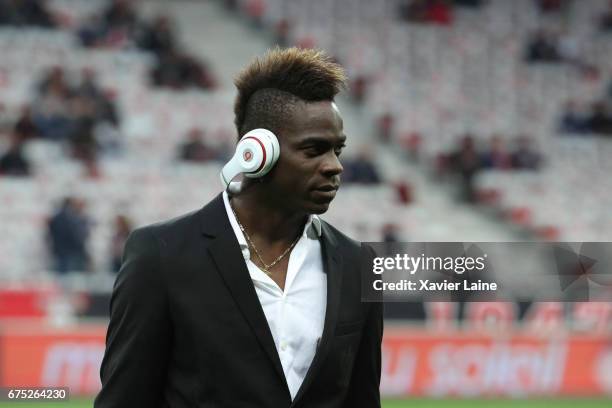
(252, 301)
(68, 232)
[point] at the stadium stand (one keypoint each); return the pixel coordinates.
(414, 75)
(469, 74)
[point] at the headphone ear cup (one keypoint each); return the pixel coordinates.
(247, 158)
(270, 149)
(250, 155)
(256, 154)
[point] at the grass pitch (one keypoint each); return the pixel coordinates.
(409, 403)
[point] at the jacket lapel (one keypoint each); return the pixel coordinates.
(225, 252)
(333, 268)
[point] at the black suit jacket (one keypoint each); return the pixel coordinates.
(187, 328)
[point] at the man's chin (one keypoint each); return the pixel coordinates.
(318, 208)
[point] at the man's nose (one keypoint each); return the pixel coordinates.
(331, 166)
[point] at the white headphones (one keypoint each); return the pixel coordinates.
(256, 153)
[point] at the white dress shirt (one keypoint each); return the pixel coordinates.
(296, 315)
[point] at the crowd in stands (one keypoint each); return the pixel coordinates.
(550, 47)
(577, 119)
(82, 116)
(119, 26)
(196, 149)
(69, 233)
(19, 13)
(468, 159)
(73, 110)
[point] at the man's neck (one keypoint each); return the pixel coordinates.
(264, 219)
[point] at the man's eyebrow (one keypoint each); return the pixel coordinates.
(318, 139)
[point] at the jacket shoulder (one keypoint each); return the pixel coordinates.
(172, 231)
(343, 240)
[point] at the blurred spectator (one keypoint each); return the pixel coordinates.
(468, 3)
(82, 141)
(385, 127)
(88, 87)
(465, 161)
(552, 6)
(90, 90)
(196, 150)
(159, 38)
(525, 157)
(496, 157)
(51, 110)
(54, 81)
(230, 4)
(413, 11)
(361, 169)
(179, 71)
(91, 33)
(606, 19)
(358, 88)
(68, 234)
(403, 190)
(123, 227)
(25, 129)
(255, 9)
(25, 13)
(13, 162)
(120, 23)
(120, 13)
(389, 233)
(600, 121)
(281, 32)
(573, 120)
(412, 143)
(426, 11)
(6, 120)
(439, 12)
(543, 47)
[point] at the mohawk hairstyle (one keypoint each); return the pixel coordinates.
(270, 87)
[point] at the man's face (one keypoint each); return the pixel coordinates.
(307, 173)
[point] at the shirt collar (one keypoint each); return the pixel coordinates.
(312, 229)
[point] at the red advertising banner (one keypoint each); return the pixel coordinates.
(416, 362)
(36, 357)
(455, 364)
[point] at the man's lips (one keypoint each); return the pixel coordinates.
(327, 187)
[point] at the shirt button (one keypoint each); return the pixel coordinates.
(283, 345)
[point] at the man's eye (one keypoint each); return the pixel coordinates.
(338, 151)
(313, 150)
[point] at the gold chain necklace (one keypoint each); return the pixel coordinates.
(266, 268)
